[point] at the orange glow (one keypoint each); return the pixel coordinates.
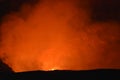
(56, 35)
(53, 69)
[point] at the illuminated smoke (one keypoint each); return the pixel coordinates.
(57, 34)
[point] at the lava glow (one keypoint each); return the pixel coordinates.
(53, 69)
(57, 34)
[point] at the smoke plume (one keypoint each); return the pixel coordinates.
(58, 34)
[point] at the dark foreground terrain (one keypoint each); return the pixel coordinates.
(63, 75)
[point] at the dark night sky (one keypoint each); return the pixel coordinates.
(8, 6)
(101, 10)
(105, 10)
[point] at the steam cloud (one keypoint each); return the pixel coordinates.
(58, 34)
